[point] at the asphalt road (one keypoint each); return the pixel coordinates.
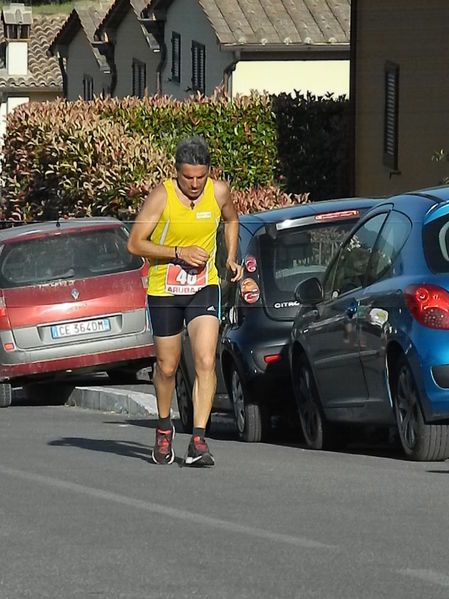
(83, 513)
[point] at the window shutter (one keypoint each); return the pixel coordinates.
(176, 57)
(88, 88)
(198, 67)
(391, 115)
(139, 75)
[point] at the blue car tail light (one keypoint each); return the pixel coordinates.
(428, 304)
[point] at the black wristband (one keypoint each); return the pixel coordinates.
(176, 252)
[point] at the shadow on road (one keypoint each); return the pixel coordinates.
(127, 449)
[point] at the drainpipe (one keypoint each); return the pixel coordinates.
(352, 92)
(227, 73)
(62, 66)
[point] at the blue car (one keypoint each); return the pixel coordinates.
(370, 342)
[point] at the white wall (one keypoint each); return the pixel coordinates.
(17, 58)
(5, 109)
(3, 114)
(131, 44)
(316, 76)
(188, 19)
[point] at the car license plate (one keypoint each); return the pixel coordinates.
(83, 327)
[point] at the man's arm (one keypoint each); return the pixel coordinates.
(231, 228)
(145, 223)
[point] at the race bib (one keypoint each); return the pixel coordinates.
(182, 279)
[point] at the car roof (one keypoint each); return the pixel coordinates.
(417, 203)
(437, 194)
(57, 226)
(255, 220)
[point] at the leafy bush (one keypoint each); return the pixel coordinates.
(264, 198)
(102, 157)
(313, 144)
(61, 158)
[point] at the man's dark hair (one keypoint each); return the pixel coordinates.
(192, 150)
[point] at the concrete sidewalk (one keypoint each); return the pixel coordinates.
(134, 403)
(137, 400)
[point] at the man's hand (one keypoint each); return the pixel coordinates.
(193, 255)
(235, 269)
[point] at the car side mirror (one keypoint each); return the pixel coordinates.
(309, 292)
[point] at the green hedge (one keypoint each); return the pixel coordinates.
(102, 157)
(313, 144)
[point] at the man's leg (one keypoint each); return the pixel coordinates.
(203, 334)
(168, 350)
(167, 357)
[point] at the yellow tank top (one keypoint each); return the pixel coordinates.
(183, 226)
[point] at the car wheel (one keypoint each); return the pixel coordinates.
(5, 395)
(184, 399)
(250, 417)
(420, 441)
(120, 376)
(318, 433)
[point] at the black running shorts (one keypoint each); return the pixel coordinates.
(168, 313)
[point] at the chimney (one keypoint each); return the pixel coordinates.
(17, 20)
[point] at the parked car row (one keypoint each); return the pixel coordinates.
(344, 306)
(72, 299)
(278, 248)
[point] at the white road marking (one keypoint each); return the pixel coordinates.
(165, 510)
(427, 575)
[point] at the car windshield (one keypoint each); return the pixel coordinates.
(297, 254)
(79, 254)
(436, 244)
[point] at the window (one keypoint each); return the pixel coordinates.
(88, 87)
(349, 272)
(391, 115)
(435, 239)
(81, 254)
(176, 57)
(296, 254)
(388, 245)
(139, 78)
(198, 67)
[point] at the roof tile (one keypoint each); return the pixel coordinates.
(279, 22)
(43, 71)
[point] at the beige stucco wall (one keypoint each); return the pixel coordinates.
(188, 19)
(414, 35)
(316, 76)
(80, 62)
(131, 44)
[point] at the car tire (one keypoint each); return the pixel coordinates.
(317, 431)
(185, 405)
(420, 441)
(120, 376)
(184, 400)
(251, 417)
(5, 395)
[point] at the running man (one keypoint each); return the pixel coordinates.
(176, 230)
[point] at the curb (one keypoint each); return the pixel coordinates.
(134, 404)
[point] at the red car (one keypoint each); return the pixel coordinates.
(71, 299)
